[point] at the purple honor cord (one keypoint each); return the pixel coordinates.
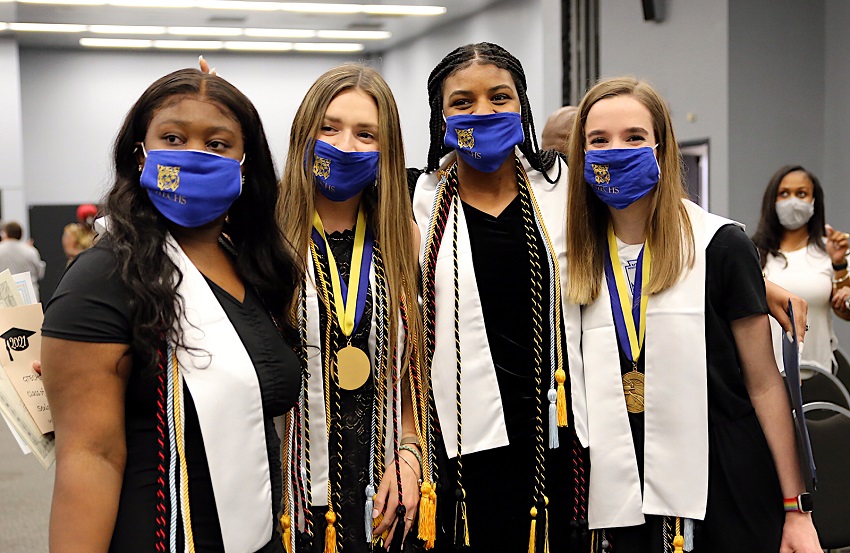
(617, 309)
(365, 267)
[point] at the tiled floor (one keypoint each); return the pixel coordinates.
(25, 491)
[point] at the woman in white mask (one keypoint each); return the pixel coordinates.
(801, 253)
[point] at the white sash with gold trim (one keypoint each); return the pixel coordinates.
(316, 387)
(223, 382)
(676, 402)
(482, 413)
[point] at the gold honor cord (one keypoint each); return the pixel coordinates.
(633, 381)
(352, 362)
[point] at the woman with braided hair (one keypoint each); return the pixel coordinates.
(491, 208)
(691, 441)
(164, 362)
(355, 446)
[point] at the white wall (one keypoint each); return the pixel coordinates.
(523, 27)
(835, 177)
(776, 96)
(11, 137)
(75, 101)
(684, 57)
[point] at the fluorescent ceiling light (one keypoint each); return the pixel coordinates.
(237, 5)
(404, 10)
(205, 31)
(127, 30)
(48, 27)
(115, 43)
(280, 33)
(354, 35)
(300, 7)
(66, 2)
(327, 47)
(258, 46)
(152, 3)
(188, 44)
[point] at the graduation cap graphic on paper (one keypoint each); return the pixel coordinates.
(16, 339)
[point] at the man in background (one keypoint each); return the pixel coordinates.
(19, 256)
(556, 132)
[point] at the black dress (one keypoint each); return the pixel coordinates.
(499, 483)
(351, 425)
(744, 509)
(91, 304)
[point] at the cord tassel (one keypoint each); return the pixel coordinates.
(553, 420)
(546, 524)
(560, 378)
(532, 538)
(330, 532)
(286, 524)
(428, 514)
(398, 534)
(689, 534)
(678, 541)
(461, 526)
(370, 505)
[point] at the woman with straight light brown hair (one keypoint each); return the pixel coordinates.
(356, 441)
(687, 417)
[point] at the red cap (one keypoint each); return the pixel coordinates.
(85, 211)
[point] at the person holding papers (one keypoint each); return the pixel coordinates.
(164, 357)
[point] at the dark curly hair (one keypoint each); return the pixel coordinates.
(137, 230)
(769, 231)
(492, 54)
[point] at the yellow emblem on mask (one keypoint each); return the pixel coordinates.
(168, 178)
(321, 167)
(465, 138)
(602, 174)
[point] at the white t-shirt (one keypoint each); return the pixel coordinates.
(808, 274)
(629, 254)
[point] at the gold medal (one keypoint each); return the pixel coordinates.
(633, 390)
(353, 368)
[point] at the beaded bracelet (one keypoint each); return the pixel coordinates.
(407, 447)
(837, 281)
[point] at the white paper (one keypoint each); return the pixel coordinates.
(23, 281)
(21, 443)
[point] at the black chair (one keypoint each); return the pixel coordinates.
(830, 439)
(822, 385)
(842, 367)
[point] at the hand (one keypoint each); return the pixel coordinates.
(36, 366)
(205, 66)
(386, 500)
(777, 304)
(836, 245)
(839, 301)
(799, 534)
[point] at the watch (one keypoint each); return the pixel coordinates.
(803, 503)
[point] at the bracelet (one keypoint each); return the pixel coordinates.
(837, 281)
(406, 462)
(407, 447)
(410, 440)
(839, 267)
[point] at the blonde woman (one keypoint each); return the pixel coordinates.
(687, 417)
(355, 455)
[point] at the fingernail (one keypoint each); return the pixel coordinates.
(375, 513)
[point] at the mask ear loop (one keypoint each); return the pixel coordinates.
(144, 153)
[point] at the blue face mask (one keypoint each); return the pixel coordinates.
(484, 141)
(621, 176)
(191, 188)
(342, 175)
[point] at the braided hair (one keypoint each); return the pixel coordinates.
(483, 53)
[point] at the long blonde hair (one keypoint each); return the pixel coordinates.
(669, 229)
(387, 205)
